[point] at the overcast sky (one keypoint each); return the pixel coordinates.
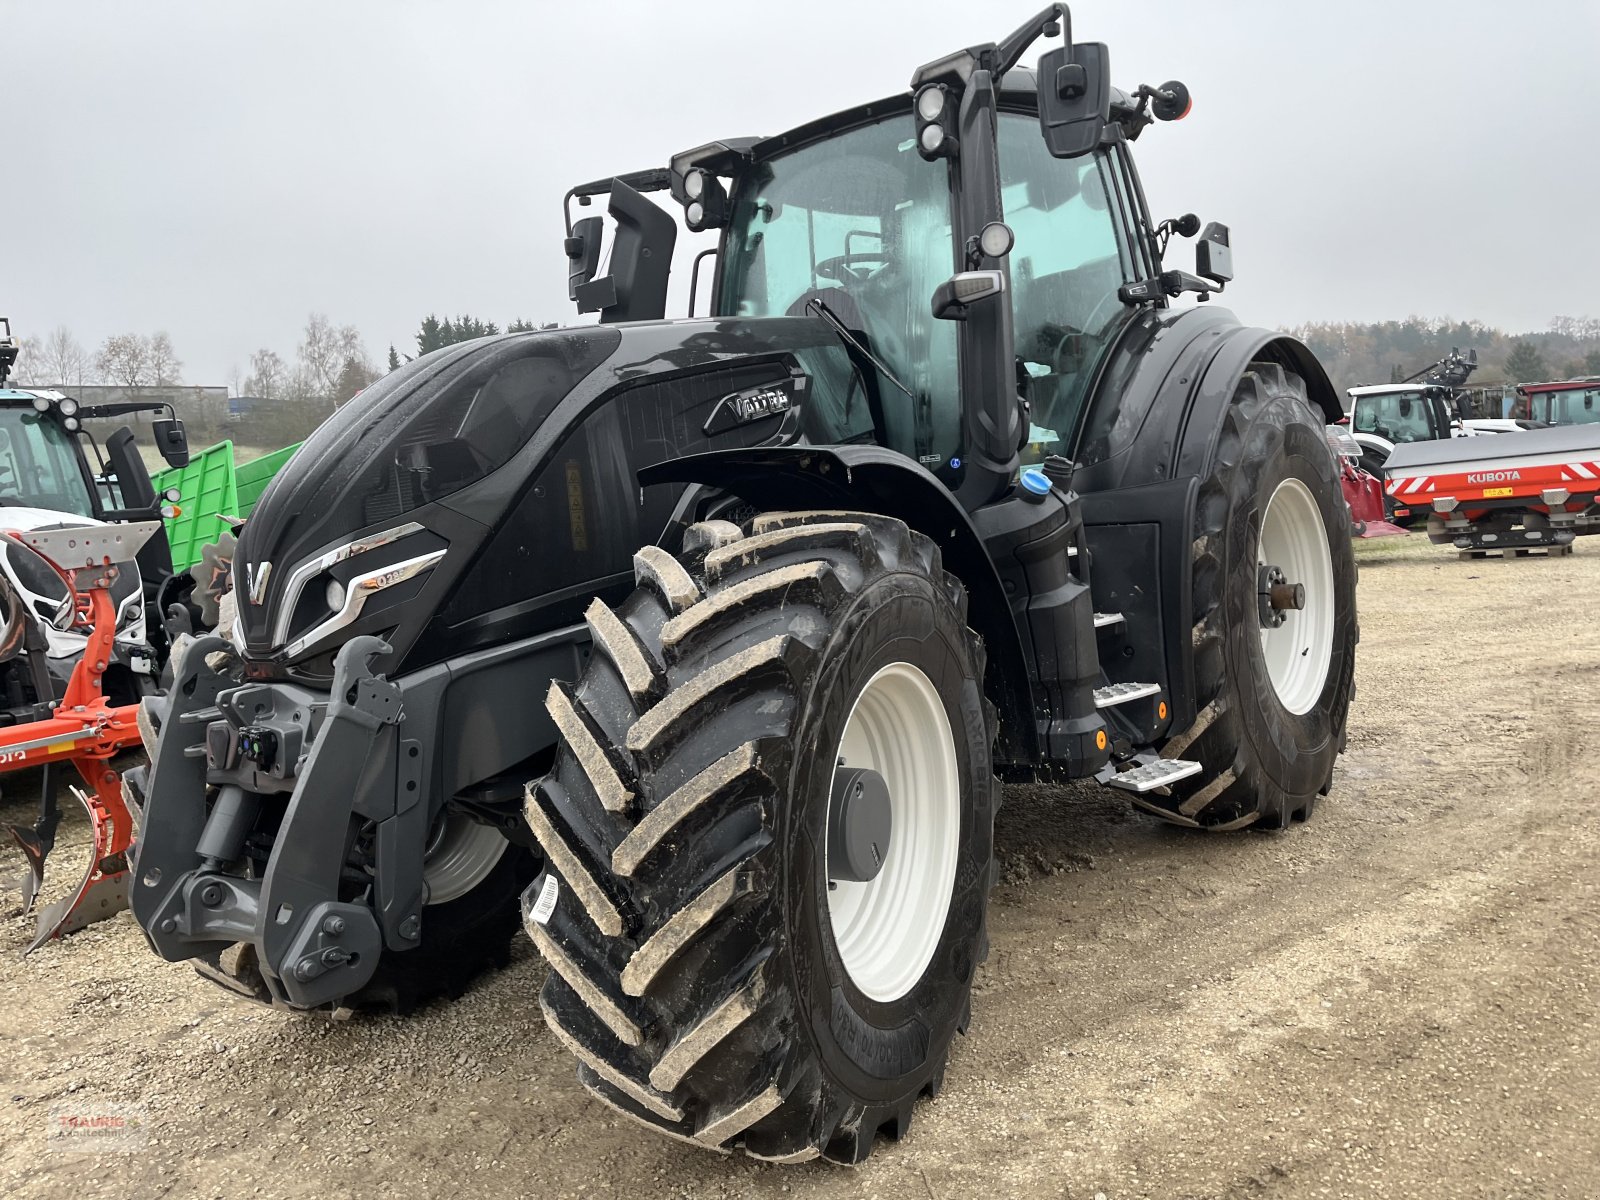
(220, 170)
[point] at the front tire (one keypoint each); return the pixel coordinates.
(1272, 700)
(709, 980)
(474, 875)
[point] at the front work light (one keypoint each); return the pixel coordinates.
(705, 202)
(936, 118)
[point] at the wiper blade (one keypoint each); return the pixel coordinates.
(820, 307)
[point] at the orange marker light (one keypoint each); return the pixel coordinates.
(1161, 710)
(1100, 739)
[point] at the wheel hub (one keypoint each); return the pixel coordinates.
(858, 825)
(1276, 596)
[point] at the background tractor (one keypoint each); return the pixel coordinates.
(48, 483)
(944, 488)
(1429, 406)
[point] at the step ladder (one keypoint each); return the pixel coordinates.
(1154, 773)
(1123, 693)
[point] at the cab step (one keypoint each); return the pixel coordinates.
(1154, 775)
(1123, 693)
(1106, 620)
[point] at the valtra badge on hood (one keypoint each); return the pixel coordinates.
(259, 574)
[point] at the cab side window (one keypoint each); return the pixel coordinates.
(1071, 256)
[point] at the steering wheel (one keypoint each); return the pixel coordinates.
(850, 268)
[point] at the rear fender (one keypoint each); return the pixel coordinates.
(872, 479)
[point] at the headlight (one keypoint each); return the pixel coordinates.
(33, 574)
(335, 596)
(67, 406)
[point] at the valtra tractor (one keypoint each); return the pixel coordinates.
(732, 622)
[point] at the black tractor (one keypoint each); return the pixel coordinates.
(709, 637)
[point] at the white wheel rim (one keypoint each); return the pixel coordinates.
(888, 928)
(1298, 652)
(460, 856)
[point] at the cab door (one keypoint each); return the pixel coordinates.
(1074, 221)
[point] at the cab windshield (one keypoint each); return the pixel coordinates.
(858, 224)
(1398, 417)
(39, 465)
(1577, 407)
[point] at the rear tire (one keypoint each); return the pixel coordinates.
(686, 911)
(1267, 731)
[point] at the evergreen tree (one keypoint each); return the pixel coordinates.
(394, 359)
(1525, 363)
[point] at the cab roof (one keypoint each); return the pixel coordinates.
(1380, 389)
(1565, 385)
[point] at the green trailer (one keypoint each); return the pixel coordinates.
(210, 489)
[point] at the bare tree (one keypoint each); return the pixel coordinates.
(324, 353)
(124, 359)
(267, 375)
(58, 359)
(165, 367)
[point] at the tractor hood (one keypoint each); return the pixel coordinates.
(477, 493)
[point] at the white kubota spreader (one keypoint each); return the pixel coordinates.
(1511, 493)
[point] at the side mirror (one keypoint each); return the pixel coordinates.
(958, 293)
(1213, 254)
(172, 440)
(641, 257)
(1074, 98)
(583, 253)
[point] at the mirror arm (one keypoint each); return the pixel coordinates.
(1053, 20)
(1168, 283)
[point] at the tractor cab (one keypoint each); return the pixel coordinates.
(1403, 414)
(977, 246)
(1575, 402)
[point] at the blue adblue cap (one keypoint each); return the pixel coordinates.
(1036, 481)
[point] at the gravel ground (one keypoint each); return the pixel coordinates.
(1395, 1000)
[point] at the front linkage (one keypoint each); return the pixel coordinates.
(302, 932)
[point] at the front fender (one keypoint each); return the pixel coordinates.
(1371, 441)
(869, 478)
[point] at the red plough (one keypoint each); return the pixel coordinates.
(84, 730)
(1363, 492)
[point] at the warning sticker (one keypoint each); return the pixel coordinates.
(1493, 493)
(546, 903)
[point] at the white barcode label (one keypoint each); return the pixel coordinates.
(546, 903)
